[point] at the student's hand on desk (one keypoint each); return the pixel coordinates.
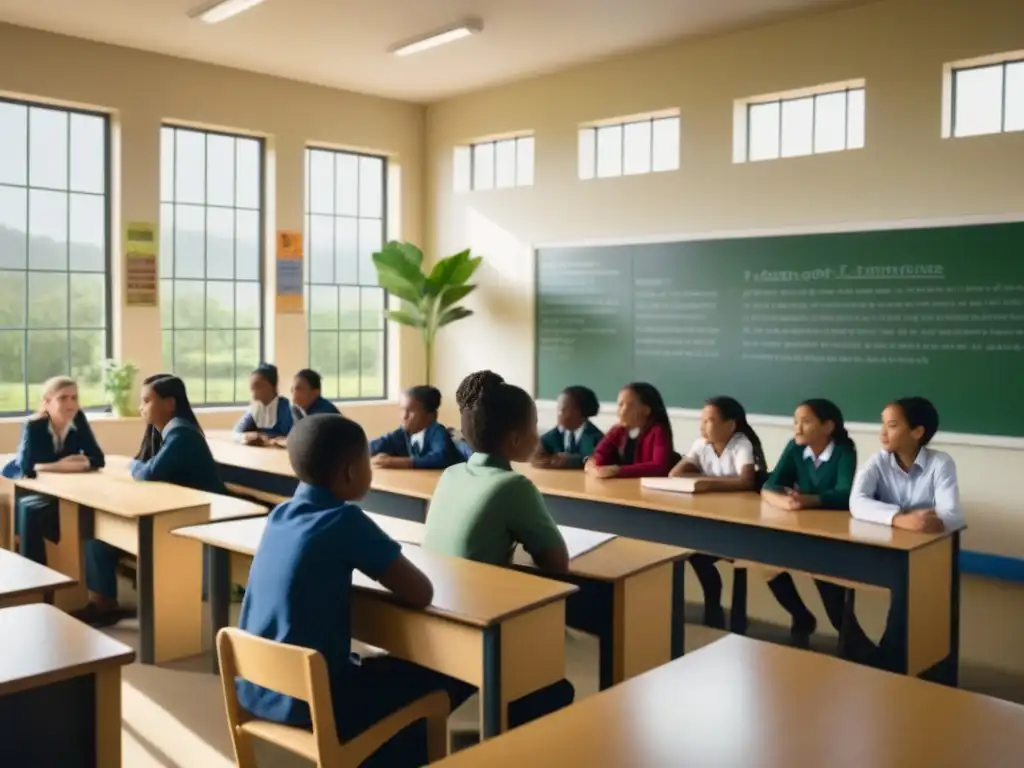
(383, 461)
(253, 438)
(921, 520)
(541, 461)
(679, 470)
(604, 472)
(558, 461)
(278, 442)
(74, 463)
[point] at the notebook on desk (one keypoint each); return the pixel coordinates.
(673, 484)
(578, 541)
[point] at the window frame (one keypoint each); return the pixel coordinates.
(813, 95)
(108, 287)
(622, 123)
(261, 272)
(471, 148)
(955, 70)
(307, 282)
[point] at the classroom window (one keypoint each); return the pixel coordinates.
(346, 223)
(988, 98)
(54, 251)
(817, 121)
(629, 148)
(495, 164)
(211, 256)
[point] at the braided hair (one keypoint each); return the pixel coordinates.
(730, 410)
(491, 410)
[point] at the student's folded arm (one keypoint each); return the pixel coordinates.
(245, 424)
(26, 463)
(607, 451)
(839, 496)
(947, 496)
(388, 444)
(380, 557)
(863, 504)
(531, 524)
(170, 461)
(660, 463)
(407, 582)
(784, 474)
(90, 447)
(551, 442)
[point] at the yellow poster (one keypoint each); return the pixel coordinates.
(289, 272)
(140, 245)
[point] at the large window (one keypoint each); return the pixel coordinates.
(345, 225)
(211, 235)
(630, 147)
(54, 251)
(988, 98)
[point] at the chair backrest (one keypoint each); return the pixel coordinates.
(288, 669)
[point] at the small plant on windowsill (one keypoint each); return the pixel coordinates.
(429, 301)
(119, 386)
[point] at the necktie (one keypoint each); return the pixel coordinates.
(570, 446)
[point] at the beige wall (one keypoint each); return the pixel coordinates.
(905, 171)
(140, 90)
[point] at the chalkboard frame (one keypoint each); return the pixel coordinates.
(774, 420)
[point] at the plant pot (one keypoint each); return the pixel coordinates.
(122, 405)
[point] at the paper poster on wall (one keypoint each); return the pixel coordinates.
(140, 245)
(289, 272)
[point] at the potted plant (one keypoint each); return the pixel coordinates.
(429, 300)
(119, 387)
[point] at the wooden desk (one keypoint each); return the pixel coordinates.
(740, 702)
(921, 570)
(23, 581)
(499, 630)
(137, 517)
(60, 690)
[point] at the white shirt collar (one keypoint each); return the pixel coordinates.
(634, 433)
(417, 439)
(59, 440)
(576, 434)
(822, 458)
(921, 461)
(265, 416)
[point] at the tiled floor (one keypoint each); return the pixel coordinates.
(173, 716)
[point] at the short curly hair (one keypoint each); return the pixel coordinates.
(491, 409)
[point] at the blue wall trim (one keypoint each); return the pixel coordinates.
(992, 566)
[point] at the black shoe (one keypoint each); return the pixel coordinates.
(714, 617)
(800, 632)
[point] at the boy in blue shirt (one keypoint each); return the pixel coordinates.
(300, 586)
(307, 399)
(421, 442)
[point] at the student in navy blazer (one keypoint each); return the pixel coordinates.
(173, 451)
(421, 442)
(306, 397)
(269, 418)
(56, 439)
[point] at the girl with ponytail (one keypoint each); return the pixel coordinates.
(726, 457)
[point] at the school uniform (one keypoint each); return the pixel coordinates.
(829, 476)
(480, 511)
(37, 517)
(882, 489)
(299, 592)
(646, 453)
(183, 458)
(579, 444)
(430, 448)
(319, 405)
(273, 419)
(737, 454)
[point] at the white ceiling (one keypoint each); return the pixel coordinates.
(344, 43)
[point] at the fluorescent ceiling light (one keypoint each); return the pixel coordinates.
(211, 13)
(441, 37)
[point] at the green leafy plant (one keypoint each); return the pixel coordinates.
(429, 300)
(119, 386)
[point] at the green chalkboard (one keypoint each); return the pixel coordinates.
(858, 317)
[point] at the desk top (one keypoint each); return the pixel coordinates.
(740, 702)
(739, 508)
(112, 490)
(42, 644)
(464, 591)
(20, 576)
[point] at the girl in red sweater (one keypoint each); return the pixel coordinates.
(641, 444)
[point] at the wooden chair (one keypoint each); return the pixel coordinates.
(302, 674)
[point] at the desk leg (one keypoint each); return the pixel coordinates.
(67, 556)
(490, 691)
(220, 594)
(642, 623)
(678, 609)
(947, 671)
(108, 717)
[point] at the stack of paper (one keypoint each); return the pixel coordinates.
(674, 484)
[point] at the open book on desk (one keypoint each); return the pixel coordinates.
(578, 541)
(673, 484)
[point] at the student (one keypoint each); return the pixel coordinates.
(306, 398)
(574, 440)
(421, 442)
(907, 485)
(57, 438)
(269, 418)
(300, 586)
(174, 450)
(482, 509)
(726, 457)
(815, 471)
(641, 444)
